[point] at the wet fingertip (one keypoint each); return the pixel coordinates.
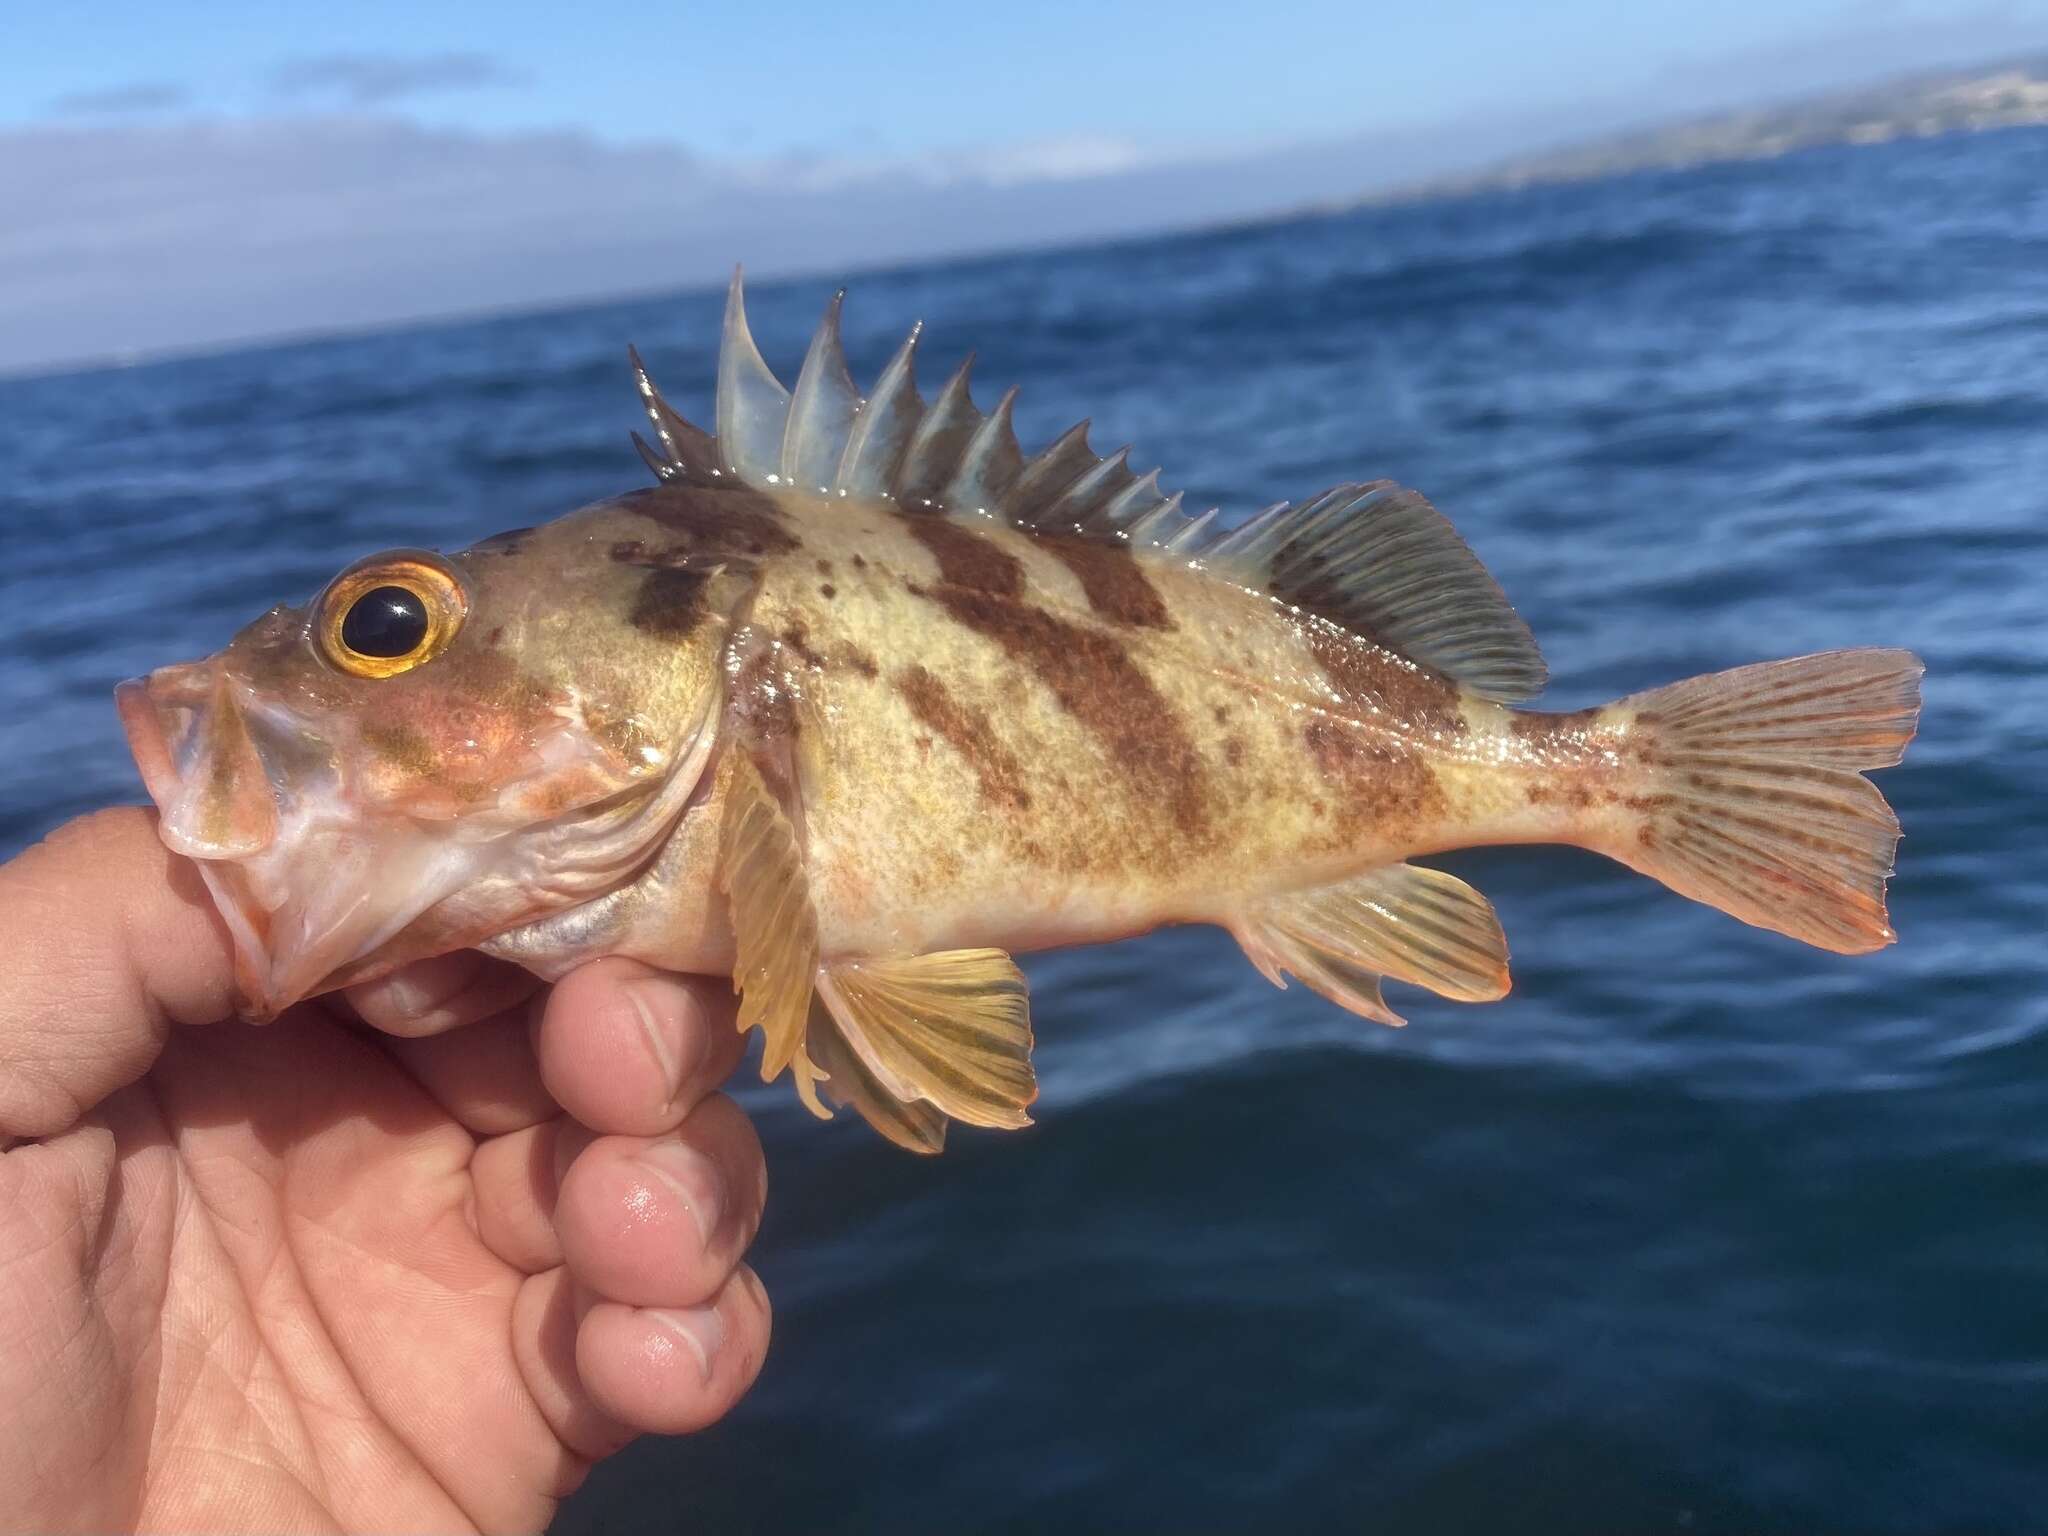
(700, 1330)
(671, 1030)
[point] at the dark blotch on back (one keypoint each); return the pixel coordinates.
(670, 602)
(1114, 580)
(966, 559)
(509, 542)
(723, 521)
(968, 731)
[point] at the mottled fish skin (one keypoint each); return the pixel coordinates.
(1006, 739)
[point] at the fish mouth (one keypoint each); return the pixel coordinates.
(309, 893)
(323, 888)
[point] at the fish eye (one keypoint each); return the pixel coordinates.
(390, 614)
(385, 622)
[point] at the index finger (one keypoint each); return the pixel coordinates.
(111, 941)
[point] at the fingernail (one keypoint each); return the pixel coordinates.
(692, 1178)
(674, 1049)
(429, 984)
(699, 1327)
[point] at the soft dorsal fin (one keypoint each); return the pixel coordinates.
(1373, 557)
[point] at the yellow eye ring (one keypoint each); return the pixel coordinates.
(390, 614)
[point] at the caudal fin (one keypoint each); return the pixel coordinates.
(1753, 797)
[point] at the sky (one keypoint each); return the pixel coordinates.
(174, 177)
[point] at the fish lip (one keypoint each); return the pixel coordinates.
(166, 716)
(140, 702)
(147, 741)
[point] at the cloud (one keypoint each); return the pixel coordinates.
(379, 79)
(1058, 159)
(122, 100)
(144, 234)
(212, 230)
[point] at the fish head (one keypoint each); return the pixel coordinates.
(432, 751)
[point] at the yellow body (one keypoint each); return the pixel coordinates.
(1040, 768)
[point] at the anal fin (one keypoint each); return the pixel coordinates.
(915, 1126)
(762, 872)
(1416, 925)
(951, 1029)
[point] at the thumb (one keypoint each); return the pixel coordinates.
(111, 940)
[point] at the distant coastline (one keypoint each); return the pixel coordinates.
(2009, 94)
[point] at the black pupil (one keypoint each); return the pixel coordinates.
(385, 621)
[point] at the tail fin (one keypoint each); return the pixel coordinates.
(1754, 799)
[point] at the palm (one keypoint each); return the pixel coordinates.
(320, 1275)
(276, 1259)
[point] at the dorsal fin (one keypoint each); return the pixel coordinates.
(1373, 557)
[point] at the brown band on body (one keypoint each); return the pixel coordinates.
(1114, 580)
(1089, 672)
(969, 732)
(1095, 681)
(1382, 788)
(1371, 678)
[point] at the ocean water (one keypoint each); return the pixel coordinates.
(1697, 1230)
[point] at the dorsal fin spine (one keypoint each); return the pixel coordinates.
(880, 434)
(822, 408)
(1084, 496)
(1194, 533)
(990, 462)
(663, 469)
(1050, 471)
(1132, 502)
(753, 407)
(935, 446)
(1157, 525)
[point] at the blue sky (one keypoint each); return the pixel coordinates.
(793, 135)
(898, 77)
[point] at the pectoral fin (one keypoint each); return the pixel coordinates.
(1416, 925)
(761, 870)
(951, 1029)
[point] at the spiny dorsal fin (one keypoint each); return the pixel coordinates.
(1373, 557)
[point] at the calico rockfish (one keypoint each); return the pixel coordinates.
(857, 699)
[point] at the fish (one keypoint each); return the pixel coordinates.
(856, 701)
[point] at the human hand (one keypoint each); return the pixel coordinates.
(409, 1262)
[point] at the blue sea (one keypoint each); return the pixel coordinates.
(1698, 1230)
